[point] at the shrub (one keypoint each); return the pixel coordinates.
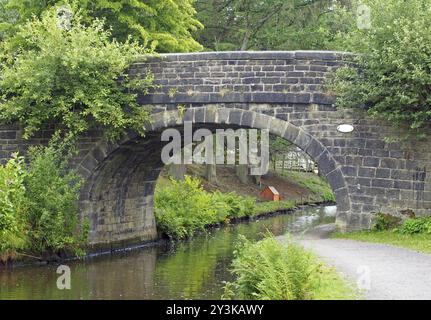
(237, 206)
(417, 225)
(38, 205)
(269, 270)
(52, 201)
(184, 207)
(385, 221)
(13, 211)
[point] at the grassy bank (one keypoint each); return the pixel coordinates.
(412, 233)
(272, 270)
(318, 187)
(417, 242)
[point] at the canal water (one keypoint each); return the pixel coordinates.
(194, 269)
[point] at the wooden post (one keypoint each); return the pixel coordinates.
(282, 165)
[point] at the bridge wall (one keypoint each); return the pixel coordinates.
(279, 91)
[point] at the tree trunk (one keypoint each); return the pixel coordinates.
(211, 173)
(257, 180)
(177, 171)
(242, 173)
(245, 40)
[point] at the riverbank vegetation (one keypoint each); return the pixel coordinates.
(273, 270)
(38, 206)
(183, 207)
(412, 233)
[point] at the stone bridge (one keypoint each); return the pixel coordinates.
(279, 91)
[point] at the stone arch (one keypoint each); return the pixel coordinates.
(369, 173)
(120, 178)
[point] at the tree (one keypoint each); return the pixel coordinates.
(163, 25)
(391, 78)
(211, 173)
(70, 78)
(270, 24)
(278, 146)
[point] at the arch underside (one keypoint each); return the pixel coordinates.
(118, 195)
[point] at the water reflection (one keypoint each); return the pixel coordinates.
(193, 269)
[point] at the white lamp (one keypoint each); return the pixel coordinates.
(345, 128)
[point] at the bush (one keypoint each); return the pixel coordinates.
(393, 78)
(417, 225)
(385, 221)
(52, 201)
(237, 206)
(184, 207)
(38, 205)
(269, 270)
(13, 210)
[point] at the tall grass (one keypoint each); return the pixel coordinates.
(270, 270)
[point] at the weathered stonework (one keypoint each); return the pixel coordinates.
(279, 91)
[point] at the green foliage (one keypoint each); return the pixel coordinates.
(237, 206)
(183, 207)
(270, 270)
(273, 206)
(277, 146)
(164, 25)
(394, 77)
(318, 186)
(38, 205)
(70, 78)
(271, 24)
(416, 225)
(385, 221)
(52, 199)
(420, 242)
(414, 233)
(12, 207)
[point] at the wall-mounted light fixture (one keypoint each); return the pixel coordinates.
(345, 128)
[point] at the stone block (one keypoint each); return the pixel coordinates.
(367, 172)
(336, 179)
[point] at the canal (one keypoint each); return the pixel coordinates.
(194, 269)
